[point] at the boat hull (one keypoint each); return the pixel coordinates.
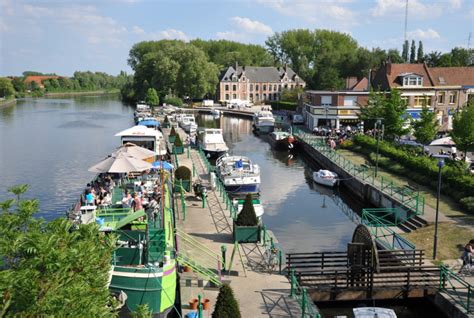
(242, 188)
(282, 144)
(264, 129)
(326, 182)
(214, 154)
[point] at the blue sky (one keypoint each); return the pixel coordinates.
(62, 36)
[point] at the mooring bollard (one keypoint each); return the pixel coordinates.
(203, 200)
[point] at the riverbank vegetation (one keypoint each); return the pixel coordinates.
(51, 268)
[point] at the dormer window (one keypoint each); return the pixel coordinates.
(412, 80)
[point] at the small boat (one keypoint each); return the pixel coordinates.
(281, 140)
(188, 123)
(373, 312)
(212, 143)
(215, 112)
(263, 121)
(325, 177)
(257, 205)
(238, 174)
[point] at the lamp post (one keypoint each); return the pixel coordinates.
(378, 123)
(440, 165)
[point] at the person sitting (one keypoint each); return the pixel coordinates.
(467, 255)
(137, 203)
(90, 198)
(127, 200)
(142, 188)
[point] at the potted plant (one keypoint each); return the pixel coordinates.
(172, 136)
(182, 176)
(206, 304)
(166, 122)
(246, 226)
(226, 304)
(178, 147)
(193, 303)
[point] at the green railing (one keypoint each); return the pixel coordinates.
(210, 257)
(300, 294)
(409, 197)
(457, 289)
(197, 268)
(380, 217)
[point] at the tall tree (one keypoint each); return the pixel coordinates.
(405, 51)
(420, 55)
(152, 98)
(432, 59)
(463, 128)
(413, 52)
(51, 269)
(426, 127)
(6, 87)
(393, 114)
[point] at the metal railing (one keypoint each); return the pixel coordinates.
(459, 290)
(300, 294)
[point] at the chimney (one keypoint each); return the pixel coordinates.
(389, 67)
(286, 66)
(236, 65)
(369, 79)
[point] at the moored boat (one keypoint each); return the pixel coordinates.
(281, 140)
(188, 123)
(325, 177)
(238, 174)
(373, 312)
(145, 137)
(212, 143)
(215, 112)
(264, 122)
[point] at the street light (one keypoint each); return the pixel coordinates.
(377, 127)
(440, 165)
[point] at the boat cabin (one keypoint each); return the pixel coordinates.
(145, 137)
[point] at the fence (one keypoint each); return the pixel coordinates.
(300, 294)
(457, 289)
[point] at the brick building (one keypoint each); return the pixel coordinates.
(257, 84)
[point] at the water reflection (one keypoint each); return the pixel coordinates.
(303, 215)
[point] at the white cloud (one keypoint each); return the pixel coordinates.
(419, 34)
(251, 26)
(170, 34)
(416, 8)
(137, 30)
(455, 4)
(323, 13)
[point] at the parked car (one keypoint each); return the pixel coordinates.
(297, 119)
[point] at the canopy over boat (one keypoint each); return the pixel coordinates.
(140, 131)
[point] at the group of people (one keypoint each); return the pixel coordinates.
(98, 192)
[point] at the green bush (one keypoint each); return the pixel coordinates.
(226, 304)
(178, 142)
(166, 120)
(182, 173)
(277, 105)
(247, 216)
(468, 203)
(173, 132)
(175, 101)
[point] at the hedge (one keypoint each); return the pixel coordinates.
(175, 101)
(422, 169)
(277, 105)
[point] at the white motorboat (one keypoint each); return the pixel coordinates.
(325, 177)
(263, 121)
(257, 205)
(145, 137)
(188, 123)
(215, 112)
(212, 143)
(374, 312)
(238, 174)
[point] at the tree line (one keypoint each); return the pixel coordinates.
(322, 58)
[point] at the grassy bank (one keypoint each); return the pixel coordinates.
(7, 102)
(81, 93)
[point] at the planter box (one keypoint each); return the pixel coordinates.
(166, 125)
(172, 138)
(178, 150)
(246, 234)
(186, 185)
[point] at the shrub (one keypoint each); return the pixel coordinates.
(247, 216)
(173, 132)
(468, 203)
(178, 142)
(226, 304)
(166, 119)
(284, 105)
(182, 173)
(175, 101)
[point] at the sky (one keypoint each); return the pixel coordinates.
(62, 36)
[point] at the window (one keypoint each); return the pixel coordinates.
(234, 87)
(279, 88)
(350, 100)
(275, 88)
(441, 97)
(251, 87)
(251, 96)
(264, 96)
(286, 86)
(405, 99)
(256, 88)
(422, 100)
(234, 96)
(452, 97)
(269, 96)
(226, 87)
(226, 96)
(270, 88)
(275, 96)
(243, 79)
(412, 81)
(257, 98)
(264, 87)
(326, 100)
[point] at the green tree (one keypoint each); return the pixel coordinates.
(6, 87)
(432, 59)
(291, 95)
(226, 304)
(413, 52)
(393, 114)
(152, 98)
(19, 84)
(51, 269)
(373, 110)
(405, 51)
(247, 216)
(426, 127)
(463, 128)
(420, 55)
